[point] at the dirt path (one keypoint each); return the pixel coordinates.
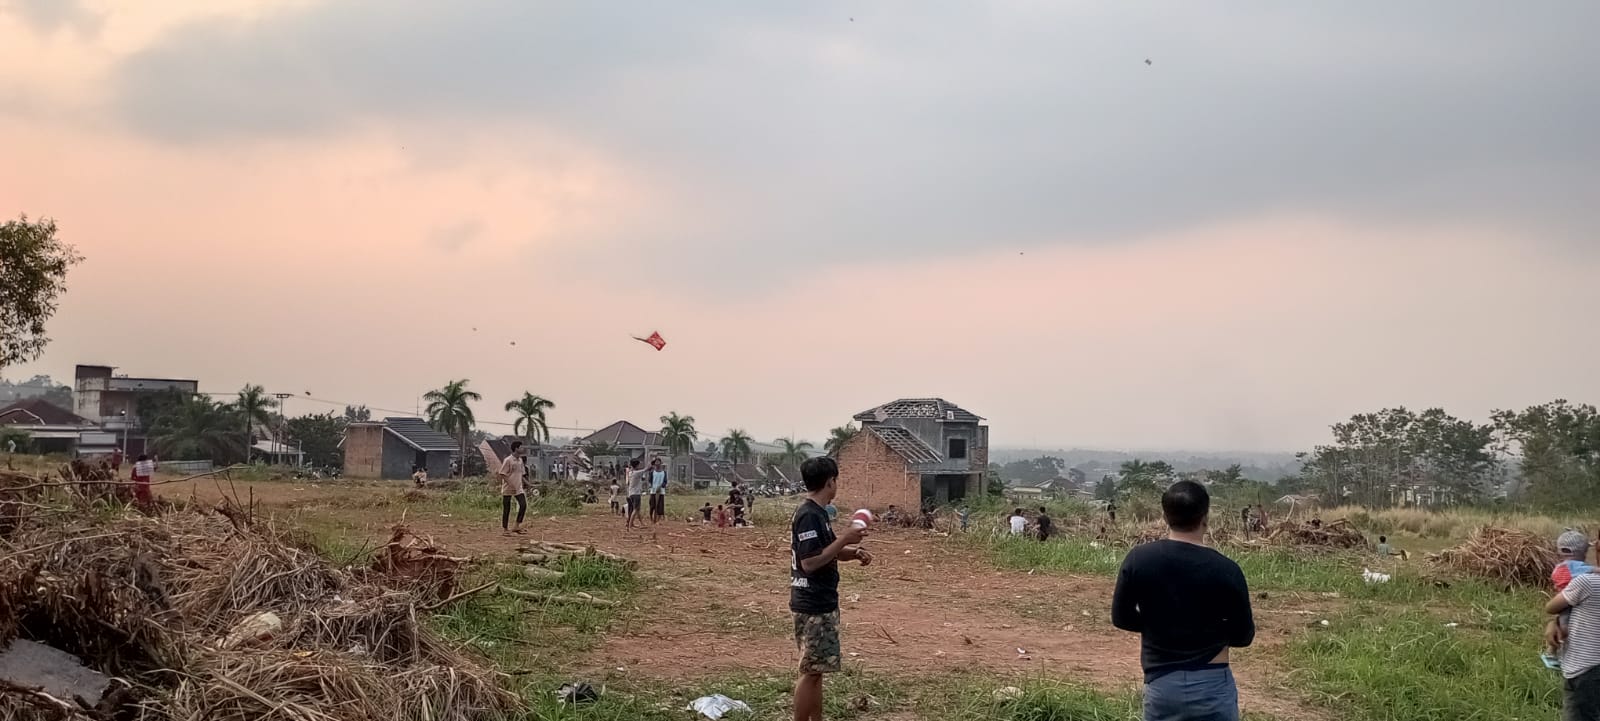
(717, 603)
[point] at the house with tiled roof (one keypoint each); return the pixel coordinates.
(392, 448)
(914, 453)
(53, 429)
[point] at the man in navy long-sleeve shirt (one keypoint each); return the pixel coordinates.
(1189, 604)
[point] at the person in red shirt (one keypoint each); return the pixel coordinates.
(116, 460)
(143, 469)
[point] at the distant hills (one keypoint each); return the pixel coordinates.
(1095, 463)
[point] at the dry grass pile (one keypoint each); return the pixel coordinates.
(198, 615)
(1337, 535)
(1509, 556)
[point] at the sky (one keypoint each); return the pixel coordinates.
(1115, 225)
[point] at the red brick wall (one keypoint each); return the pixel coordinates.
(871, 475)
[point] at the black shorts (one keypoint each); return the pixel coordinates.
(658, 504)
(633, 504)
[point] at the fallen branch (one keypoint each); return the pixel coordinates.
(582, 598)
(452, 599)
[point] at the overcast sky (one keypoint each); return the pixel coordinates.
(1124, 225)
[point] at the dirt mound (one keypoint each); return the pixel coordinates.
(198, 614)
(1509, 556)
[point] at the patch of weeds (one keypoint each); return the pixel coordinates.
(1385, 666)
(848, 695)
(533, 634)
(983, 698)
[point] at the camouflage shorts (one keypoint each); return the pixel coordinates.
(817, 635)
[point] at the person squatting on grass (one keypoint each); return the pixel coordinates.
(1189, 604)
(510, 475)
(814, 583)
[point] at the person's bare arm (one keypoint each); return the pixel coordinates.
(1557, 604)
(833, 550)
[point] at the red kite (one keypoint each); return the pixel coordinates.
(655, 341)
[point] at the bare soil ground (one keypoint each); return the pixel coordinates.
(717, 602)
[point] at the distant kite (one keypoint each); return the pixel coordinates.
(655, 341)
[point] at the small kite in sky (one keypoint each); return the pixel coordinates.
(655, 341)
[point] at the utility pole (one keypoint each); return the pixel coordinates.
(283, 421)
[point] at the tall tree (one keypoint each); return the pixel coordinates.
(678, 433)
(736, 446)
(32, 278)
(1140, 476)
(357, 413)
(317, 435)
(255, 407)
(198, 428)
(839, 436)
(1557, 447)
(1106, 489)
(794, 453)
(450, 410)
(1378, 459)
(530, 421)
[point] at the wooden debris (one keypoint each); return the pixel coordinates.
(581, 598)
(1508, 556)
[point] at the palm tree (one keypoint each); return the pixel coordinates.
(256, 407)
(840, 436)
(736, 446)
(198, 428)
(793, 454)
(530, 422)
(450, 411)
(678, 433)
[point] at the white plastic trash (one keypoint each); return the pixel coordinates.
(1371, 576)
(716, 705)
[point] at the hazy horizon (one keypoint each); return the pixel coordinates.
(1290, 214)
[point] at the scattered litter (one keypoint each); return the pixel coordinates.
(853, 654)
(1086, 613)
(1371, 576)
(854, 598)
(1007, 693)
(716, 705)
(1022, 651)
(260, 627)
(577, 693)
(1323, 622)
(1452, 624)
(908, 551)
(1096, 544)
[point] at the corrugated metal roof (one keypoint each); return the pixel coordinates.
(419, 435)
(935, 408)
(906, 444)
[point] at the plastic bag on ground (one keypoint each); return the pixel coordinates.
(716, 705)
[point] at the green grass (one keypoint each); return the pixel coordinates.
(1377, 664)
(1272, 570)
(531, 635)
(978, 698)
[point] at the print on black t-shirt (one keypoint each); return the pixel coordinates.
(818, 591)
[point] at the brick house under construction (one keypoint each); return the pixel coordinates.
(914, 453)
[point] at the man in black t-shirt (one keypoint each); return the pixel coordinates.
(814, 583)
(1189, 604)
(1044, 524)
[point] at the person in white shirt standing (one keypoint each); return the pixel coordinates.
(510, 474)
(143, 470)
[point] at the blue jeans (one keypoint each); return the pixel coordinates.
(1207, 694)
